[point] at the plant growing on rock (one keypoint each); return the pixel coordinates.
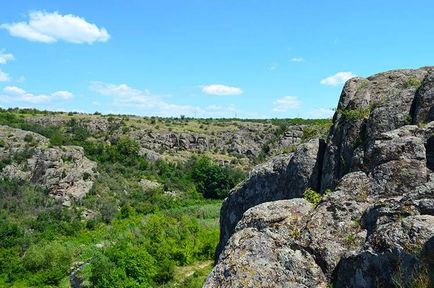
(312, 196)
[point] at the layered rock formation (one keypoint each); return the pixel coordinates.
(240, 139)
(375, 224)
(64, 171)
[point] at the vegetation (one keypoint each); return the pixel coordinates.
(128, 236)
(312, 196)
(143, 236)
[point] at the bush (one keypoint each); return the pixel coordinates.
(312, 196)
(49, 263)
(123, 265)
(214, 181)
(28, 138)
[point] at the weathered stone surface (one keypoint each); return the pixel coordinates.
(367, 108)
(392, 256)
(262, 253)
(333, 229)
(375, 228)
(148, 185)
(424, 100)
(64, 171)
(283, 177)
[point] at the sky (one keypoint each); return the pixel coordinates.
(203, 58)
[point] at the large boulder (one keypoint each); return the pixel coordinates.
(374, 224)
(283, 177)
(262, 251)
(368, 107)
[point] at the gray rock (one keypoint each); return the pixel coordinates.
(262, 252)
(424, 100)
(392, 256)
(283, 177)
(375, 227)
(64, 171)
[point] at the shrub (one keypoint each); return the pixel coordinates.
(28, 138)
(312, 196)
(49, 263)
(214, 181)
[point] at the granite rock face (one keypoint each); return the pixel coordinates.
(64, 171)
(262, 252)
(374, 226)
(283, 177)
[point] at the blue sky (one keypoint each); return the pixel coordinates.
(250, 59)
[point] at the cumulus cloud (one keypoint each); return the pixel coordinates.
(337, 79)
(5, 57)
(4, 76)
(52, 27)
(17, 94)
(145, 103)
(126, 96)
(63, 95)
(219, 89)
(286, 103)
(297, 59)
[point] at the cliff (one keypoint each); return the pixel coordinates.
(374, 223)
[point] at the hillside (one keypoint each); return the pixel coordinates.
(116, 200)
(353, 210)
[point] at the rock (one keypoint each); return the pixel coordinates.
(283, 177)
(367, 108)
(75, 277)
(261, 253)
(374, 226)
(333, 229)
(148, 185)
(391, 257)
(424, 100)
(64, 171)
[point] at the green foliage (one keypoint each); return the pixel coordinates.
(413, 82)
(212, 180)
(48, 262)
(28, 138)
(148, 257)
(355, 114)
(408, 120)
(312, 196)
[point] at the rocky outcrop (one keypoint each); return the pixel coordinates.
(374, 226)
(283, 177)
(237, 139)
(64, 171)
(262, 252)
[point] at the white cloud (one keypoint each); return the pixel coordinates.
(63, 95)
(297, 59)
(337, 79)
(4, 77)
(52, 27)
(142, 102)
(321, 113)
(5, 57)
(286, 103)
(13, 90)
(219, 89)
(14, 93)
(126, 96)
